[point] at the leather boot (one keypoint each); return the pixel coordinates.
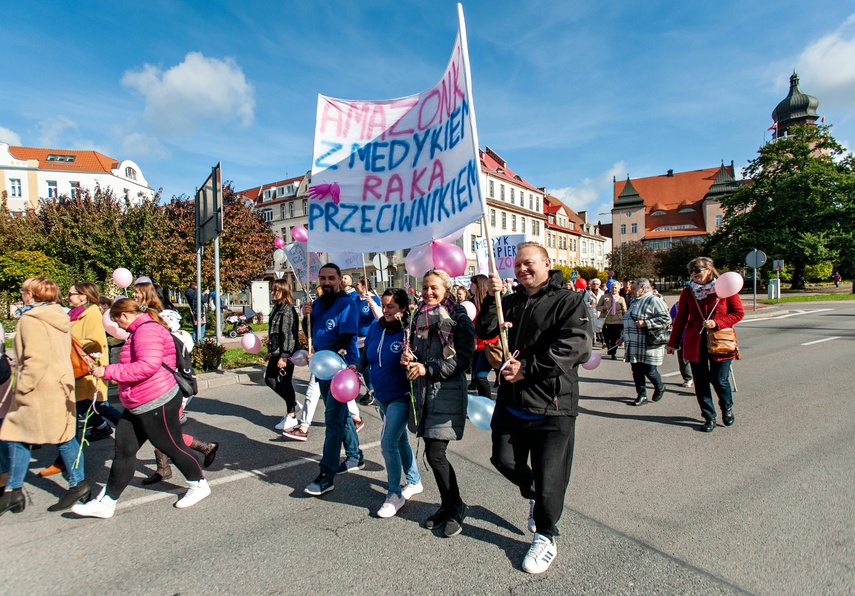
(81, 492)
(209, 450)
(164, 470)
(13, 501)
(482, 387)
(3, 479)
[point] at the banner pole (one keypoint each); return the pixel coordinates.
(464, 46)
(308, 276)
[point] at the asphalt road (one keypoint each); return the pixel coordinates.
(766, 506)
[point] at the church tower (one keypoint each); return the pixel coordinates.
(796, 108)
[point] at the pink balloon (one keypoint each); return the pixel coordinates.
(122, 277)
(728, 284)
(593, 362)
(449, 258)
(470, 309)
(300, 234)
(419, 260)
(278, 243)
(112, 328)
(300, 358)
(453, 236)
(345, 385)
(250, 343)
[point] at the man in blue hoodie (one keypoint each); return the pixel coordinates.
(334, 318)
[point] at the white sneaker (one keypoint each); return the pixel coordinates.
(102, 506)
(408, 491)
(198, 490)
(688, 383)
(540, 555)
(287, 422)
(532, 526)
(391, 506)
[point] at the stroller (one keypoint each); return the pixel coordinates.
(240, 323)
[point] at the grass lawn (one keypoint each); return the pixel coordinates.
(238, 358)
(813, 298)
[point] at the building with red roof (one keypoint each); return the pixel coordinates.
(30, 173)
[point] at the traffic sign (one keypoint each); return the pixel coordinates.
(778, 264)
(574, 276)
(755, 259)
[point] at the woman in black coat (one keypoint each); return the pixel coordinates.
(441, 345)
(281, 344)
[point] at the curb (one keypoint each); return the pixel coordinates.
(251, 375)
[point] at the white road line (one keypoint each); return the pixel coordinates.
(787, 316)
(231, 478)
(670, 374)
(819, 341)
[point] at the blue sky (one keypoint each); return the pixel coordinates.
(569, 93)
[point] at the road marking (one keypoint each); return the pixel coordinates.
(787, 316)
(819, 341)
(671, 374)
(260, 472)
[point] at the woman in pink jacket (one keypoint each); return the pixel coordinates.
(151, 398)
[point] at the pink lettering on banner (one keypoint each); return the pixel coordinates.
(396, 186)
(405, 105)
(370, 185)
(331, 114)
(357, 113)
(432, 96)
(436, 174)
(415, 189)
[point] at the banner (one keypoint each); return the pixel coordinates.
(504, 252)
(347, 260)
(297, 259)
(392, 174)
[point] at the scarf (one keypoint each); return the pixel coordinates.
(702, 292)
(613, 309)
(75, 312)
(396, 325)
(438, 317)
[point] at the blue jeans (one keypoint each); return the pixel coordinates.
(19, 463)
(395, 446)
(708, 372)
(4, 454)
(340, 430)
(193, 333)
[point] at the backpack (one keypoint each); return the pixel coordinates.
(183, 373)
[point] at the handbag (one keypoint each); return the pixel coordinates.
(721, 343)
(80, 360)
(658, 337)
(493, 352)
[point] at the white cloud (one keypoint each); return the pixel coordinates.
(53, 129)
(829, 62)
(137, 145)
(594, 195)
(198, 91)
(9, 136)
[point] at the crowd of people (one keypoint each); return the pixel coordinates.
(413, 360)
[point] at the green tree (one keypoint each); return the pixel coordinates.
(673, 261)
(799, 206)
(633, 260)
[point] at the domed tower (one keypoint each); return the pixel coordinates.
(796, 108)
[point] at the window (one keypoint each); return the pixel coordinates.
(504, 220)
(51, 189)
(530, 203)
(599, 249)
(493, 217)
(623, 228)
(15, 187)
(666, 244)
(717, 220)
(267, 214)
(291, 209)
(684, 210)
(584, 247)
(65, 158)
(130, 173)
(535, 227)
(513, 222)
(474, 238)
(522, 225)
(282, 211)
(634, 228)
(492, 192)
(75, 189)
(537, 205)
(502, 191)
(305, 206)
(513, 196)
(654, 244)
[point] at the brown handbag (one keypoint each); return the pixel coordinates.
(493, 352)
(721, 343)
(81, 362)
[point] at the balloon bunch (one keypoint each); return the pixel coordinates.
(438, 254)
(326, 365)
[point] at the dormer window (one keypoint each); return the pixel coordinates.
(655, 213)
(685, 210)
(130, 173)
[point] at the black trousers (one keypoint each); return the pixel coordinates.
(548, 445)
(446, 479)
(162, 427)
(279, 379)
(612, 333)
(641, 372)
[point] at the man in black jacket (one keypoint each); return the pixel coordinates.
(550, 334)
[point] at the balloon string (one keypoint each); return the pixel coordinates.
(507, 362)
(709, 315)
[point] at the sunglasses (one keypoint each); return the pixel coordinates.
(698, 270)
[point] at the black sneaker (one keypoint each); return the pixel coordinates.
(454, 524)
(367, 399)
(97, 434)
(349, 465)
(437, 520)
(657, 395)
(321, 485)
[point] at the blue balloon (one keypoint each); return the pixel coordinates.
(480, 411)
(325, 364)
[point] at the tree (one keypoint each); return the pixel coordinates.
(633, 260)
(799, 206)
(673, 261)
(16, 266)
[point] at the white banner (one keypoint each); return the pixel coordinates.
(347, 260)
(392, 174)
(504, 251)
(297, 258)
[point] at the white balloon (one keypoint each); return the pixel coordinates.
(278, 255)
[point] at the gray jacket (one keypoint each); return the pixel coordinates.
(441, 395)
